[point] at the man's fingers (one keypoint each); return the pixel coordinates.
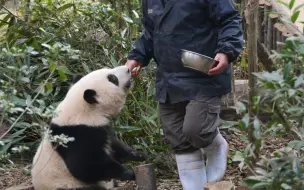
(222, 61)
(214, 64)
(216, 70)
(136, 70)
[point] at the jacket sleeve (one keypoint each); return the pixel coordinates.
(228, 21)
(143, 47)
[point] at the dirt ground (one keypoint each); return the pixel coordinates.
(19, 175)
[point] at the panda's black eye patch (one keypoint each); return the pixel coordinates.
(113, 79)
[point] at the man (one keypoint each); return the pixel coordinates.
(190, 100)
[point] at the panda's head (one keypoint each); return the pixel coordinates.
(95, 96)
(104, 87)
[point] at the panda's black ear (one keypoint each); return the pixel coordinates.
(76, 78)
(89, 96)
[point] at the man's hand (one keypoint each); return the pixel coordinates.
(219, 66)
(134, 66)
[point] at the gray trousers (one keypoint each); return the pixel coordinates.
(191, 125)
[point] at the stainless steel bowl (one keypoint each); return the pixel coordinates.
(196, 61)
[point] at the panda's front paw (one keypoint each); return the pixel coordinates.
(139, 156)
(128, 175)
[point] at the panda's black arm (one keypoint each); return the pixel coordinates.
(123, 153)
(92, 171)
(86, 157)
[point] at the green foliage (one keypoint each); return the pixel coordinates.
(281, 93)
(283, 96)
(47, 42)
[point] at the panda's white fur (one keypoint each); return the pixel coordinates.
(49, 170)
(111, 98)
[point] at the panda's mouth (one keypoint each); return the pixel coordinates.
(128, 84)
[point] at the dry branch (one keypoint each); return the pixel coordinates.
(21, 187)
(263, 54)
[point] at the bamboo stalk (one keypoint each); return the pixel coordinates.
(272, 19)
(243, 5)
(27, 10)
(267, 9)
(261, 24)
(251, 12)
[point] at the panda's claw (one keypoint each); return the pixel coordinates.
(128, 175)
(139, 156)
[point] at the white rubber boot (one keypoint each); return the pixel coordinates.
(216, 163)
(191, 170)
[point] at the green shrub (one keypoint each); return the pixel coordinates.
(281, 93)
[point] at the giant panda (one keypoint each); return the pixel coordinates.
(94, 159)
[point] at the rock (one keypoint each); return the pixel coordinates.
(21, 187)
(221, 185)
(241, 188)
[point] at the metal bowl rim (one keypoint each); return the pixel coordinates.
(197, 54)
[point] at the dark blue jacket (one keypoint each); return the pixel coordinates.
(203, 26)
